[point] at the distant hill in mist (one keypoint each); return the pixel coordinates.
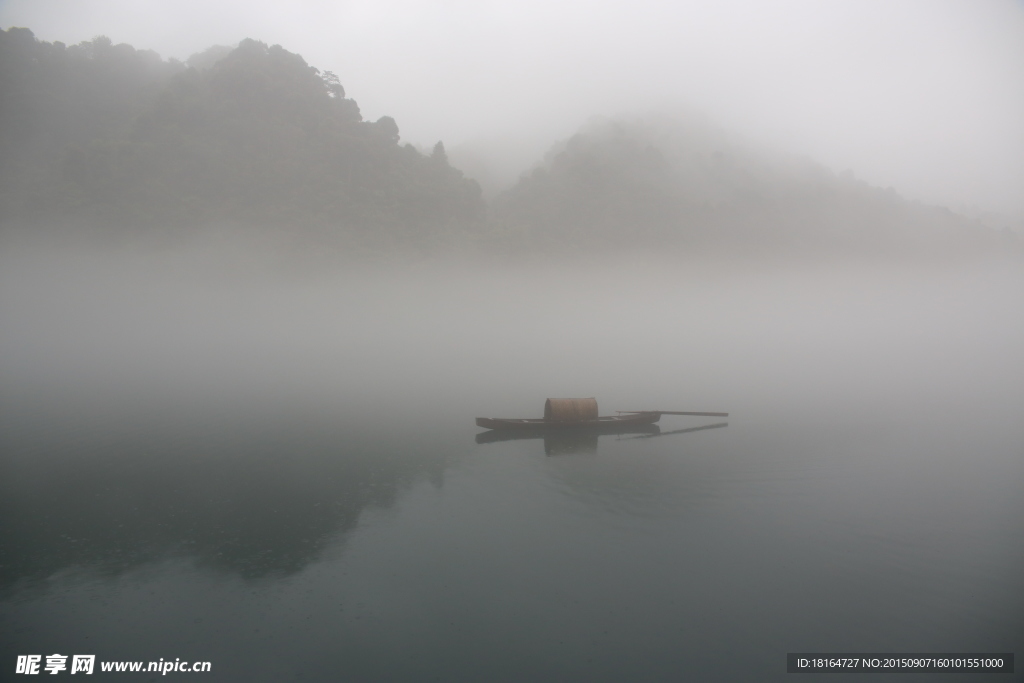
(675, 180)
(103, 135)
(109, 135)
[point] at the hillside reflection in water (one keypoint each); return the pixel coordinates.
(259, 500)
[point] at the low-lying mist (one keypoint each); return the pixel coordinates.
(151, 334)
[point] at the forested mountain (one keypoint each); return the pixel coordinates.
(108, 135)
(671, 180)
(98, 134)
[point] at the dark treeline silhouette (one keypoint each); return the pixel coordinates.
(105, 134)
(98, 134)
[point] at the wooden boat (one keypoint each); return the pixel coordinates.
(581, 414)
(519, 433)
(610, 423)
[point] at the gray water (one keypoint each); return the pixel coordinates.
(275, 469)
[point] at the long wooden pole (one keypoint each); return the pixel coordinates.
(673, 412)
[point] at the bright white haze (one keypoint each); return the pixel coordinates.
(924, 96)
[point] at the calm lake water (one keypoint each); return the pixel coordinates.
(281, 475)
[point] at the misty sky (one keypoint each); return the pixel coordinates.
(925, 96)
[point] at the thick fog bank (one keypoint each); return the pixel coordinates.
(132, 335)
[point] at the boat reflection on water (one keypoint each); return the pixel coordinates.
(563, 441)
(567, 441)
(717, 425)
